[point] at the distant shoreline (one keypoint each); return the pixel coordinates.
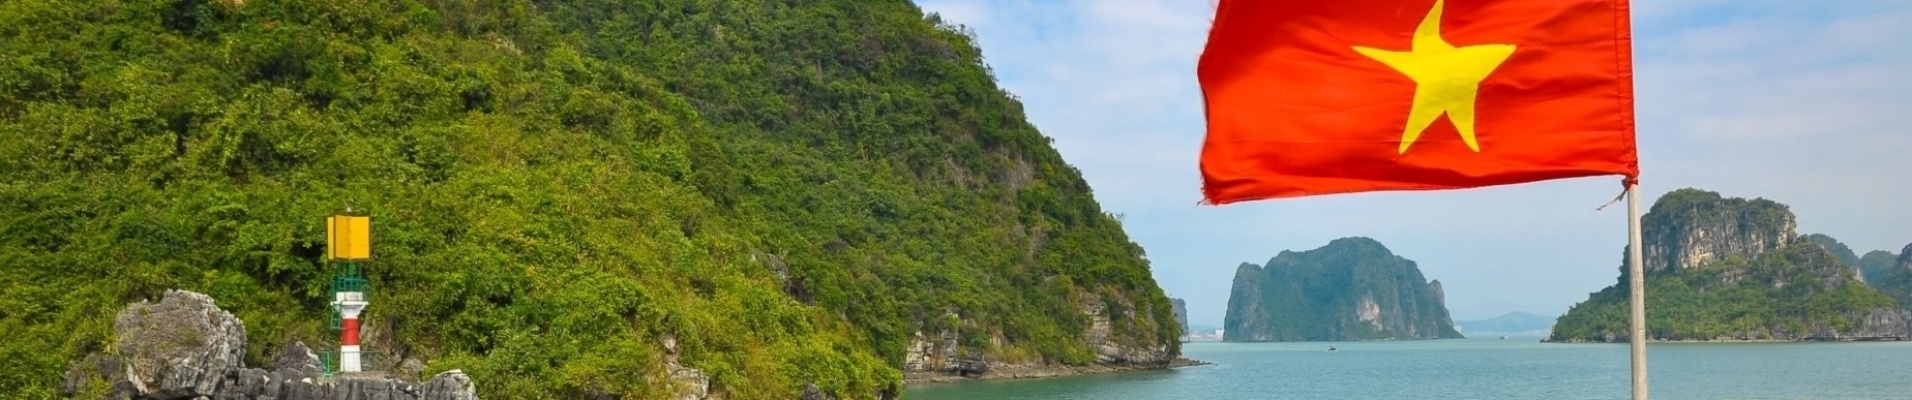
(1624, 341)
(1341, 340)
(1006, 372)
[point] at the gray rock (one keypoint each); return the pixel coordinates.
(943, 354)
(449, 385)
(1880, 324)
(245, 384)
(97, 368)
(690, 383)
(811, 392)
(180, 347)
(370, 388)
(1109, 349)
(306, 389)
(1697, 227)
(297, 356)
(410, 368)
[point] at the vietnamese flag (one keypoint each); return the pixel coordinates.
(1314, 97)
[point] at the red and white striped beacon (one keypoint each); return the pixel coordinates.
(349, 241)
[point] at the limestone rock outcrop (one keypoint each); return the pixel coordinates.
(1735, 269)
(185, 347)
(179, 347)
(1697, 227)
(1351, 289)
(1109, 349)
(943, 353)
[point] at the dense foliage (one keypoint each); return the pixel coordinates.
(1876, 264)
(1323, 294)
(1892, 276)
(1777, 295)
(791, 190)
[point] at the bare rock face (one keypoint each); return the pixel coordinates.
(1699, 227)
(371, 388)
(1110, 350)
(449, 385)
(1880, 324)
(180, 347)
(690, 383)
(298, 357)
(941, 352)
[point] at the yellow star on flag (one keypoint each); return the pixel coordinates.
(1446, 78)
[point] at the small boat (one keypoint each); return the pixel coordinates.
(1330, 348)
(1503, 337)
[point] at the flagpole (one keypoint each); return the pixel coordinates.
(1636, 280)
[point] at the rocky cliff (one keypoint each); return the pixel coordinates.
(185, 347)
(1351, 289)
(947, 354)
(1734, 269)
(1699, 227)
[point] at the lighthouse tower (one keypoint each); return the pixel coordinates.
(349, 242)
(350, 301)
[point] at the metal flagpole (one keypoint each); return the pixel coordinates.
(1636, 275)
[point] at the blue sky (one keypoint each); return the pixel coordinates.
(1799, 102)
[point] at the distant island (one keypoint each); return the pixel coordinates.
(1515, 323)
(1734, 269)
(1351, 289)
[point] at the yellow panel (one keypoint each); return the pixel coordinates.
(348, 237)
(331, 238)
(358, 237)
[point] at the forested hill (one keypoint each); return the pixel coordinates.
(1720, 268)
(790, 193)
(1353, 288)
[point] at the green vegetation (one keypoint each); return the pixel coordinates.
(1755, 278)
(1322, 294)
(1845, 254)
(790, 190)
(1778, 295)
(1876, 264)
(1891, 276)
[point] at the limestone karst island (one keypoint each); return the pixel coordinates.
(1734, 269)
(1351, 289)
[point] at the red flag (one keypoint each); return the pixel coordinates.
(1312, 97)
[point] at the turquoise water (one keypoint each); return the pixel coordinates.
(1517, 368)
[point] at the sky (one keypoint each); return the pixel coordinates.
(1786, 100)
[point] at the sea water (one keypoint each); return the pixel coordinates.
(1490, 368)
